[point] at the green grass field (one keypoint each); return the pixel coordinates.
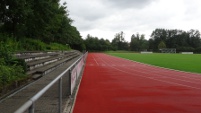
(183, 62)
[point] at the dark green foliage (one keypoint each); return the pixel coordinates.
(56, 46)
(138, 43)
(161, 45)
(198, 50)
(95, 44)
(13, 15)
(44, 20)
(185, 49)
(9, 74)
(181, 40)
(119, 43)
(19, 63)
(5, 53)
(11, 69)
(76, 42)
(30, 45)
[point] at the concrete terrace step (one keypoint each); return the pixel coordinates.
(38, 68)
(36, 76)
(40, 55)
(38, 73)
(41, 62)
(46, 69)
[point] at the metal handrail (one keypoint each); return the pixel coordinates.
(30, 104)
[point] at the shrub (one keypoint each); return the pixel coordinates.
(11, 69)
(185, 49)
(198, 50)
(32, 45)
(56, 46)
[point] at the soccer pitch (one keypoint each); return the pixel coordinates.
(183, 62)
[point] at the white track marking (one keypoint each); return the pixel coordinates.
(95, 61)
(165, 76)
(159, 74)
(151, 77)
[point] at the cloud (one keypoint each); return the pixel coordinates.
(86, 13)
(105, 18)
(193, 9)
(127, 3)
(89, 10)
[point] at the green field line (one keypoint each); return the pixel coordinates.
(183, 62)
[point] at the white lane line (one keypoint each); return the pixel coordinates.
(154, 78)
(95, 61)
(161, 75)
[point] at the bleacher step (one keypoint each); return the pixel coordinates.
(36, 76)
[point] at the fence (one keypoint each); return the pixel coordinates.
(74, 72)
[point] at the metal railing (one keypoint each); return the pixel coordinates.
(30, 104)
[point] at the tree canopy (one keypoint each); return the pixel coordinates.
(160, 38)
(138, 43)
(179, 39)
(44, 20)
(95, 44)
(119, 43)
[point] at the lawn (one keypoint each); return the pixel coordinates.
(183, 62)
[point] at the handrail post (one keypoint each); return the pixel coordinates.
(60, 96)
(70, 81)
(31, 108)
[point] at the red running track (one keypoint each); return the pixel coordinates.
(115, 85)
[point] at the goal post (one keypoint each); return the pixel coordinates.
(168, 50)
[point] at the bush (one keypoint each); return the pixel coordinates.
(32, 45)
(19, 63)
(5, 53)
(56, 46)
(185, 49)
(11, 70)
(198, 50)
(9, 74)
(37, 45)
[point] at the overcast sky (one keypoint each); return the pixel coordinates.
(105, 18)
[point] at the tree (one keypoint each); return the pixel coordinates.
(179, 39)
(75, 41)
(119, 42)
(13, 15)
(138, 42)
(161, 45)
(158, 35)
(194, 36)
(135, 44)
(95, 44)
(44, 20)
